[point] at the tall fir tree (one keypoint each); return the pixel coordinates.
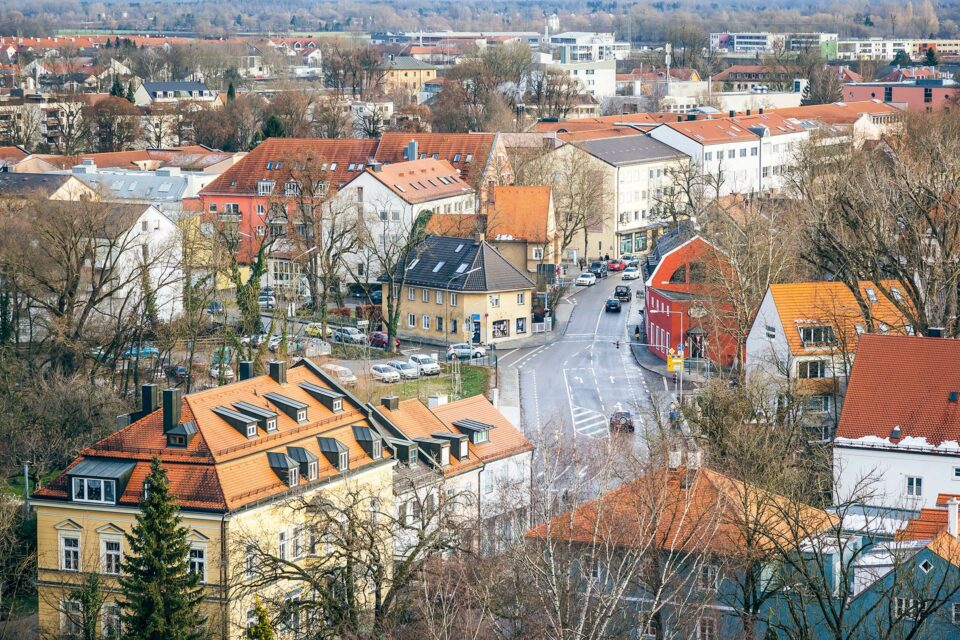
(231, 92)
(930, 58)
(160, 595)
(261, 629)
(116, 89)
(129, 96)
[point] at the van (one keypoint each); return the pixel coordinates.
(340, 374)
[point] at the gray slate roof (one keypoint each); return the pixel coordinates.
(626, 150)
(174, 86)
(29, 184)
(405, 62)
(440, 261)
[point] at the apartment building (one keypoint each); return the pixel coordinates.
(911, 95)
(584, 46)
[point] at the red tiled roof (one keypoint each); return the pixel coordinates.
(844, 113)
(12, 155)
(903, 381)
(519, 212)
(419, 181)
(455, 148)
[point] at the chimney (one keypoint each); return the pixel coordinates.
(732, 113)
(748, 111)
(278, 371)
(479, 237)
(674, 458)
(246, 369)
(172, 402)
(436, 400)
(679, 118)
(952, 517)
(412, 150)
(149, 399)
(760, 111)
(935, 332)
(390, 402)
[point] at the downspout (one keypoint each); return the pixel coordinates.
(224, 573)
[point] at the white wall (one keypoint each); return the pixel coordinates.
(164, 245)
(891, 469)
(763, 354)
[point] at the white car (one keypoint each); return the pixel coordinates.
(341, 374)
(631, 273)
(218, 369)
(427, 365)
(407, 370)
(465, 351)
(384, 373)
(586, 280)
(275, 341)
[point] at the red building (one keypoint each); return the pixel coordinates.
(912, 95)
(679, 307)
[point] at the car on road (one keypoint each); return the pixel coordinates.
(586, 279)
(378, 339)
(427, 365)
(275, 341)
(145, 351)
(599, 269)
(630, 273)
(407, 370)
(613, 305)
(623, 293)
(465, 351)
(340, 373)
(622, 421)
(267, 301)
(315, 330)
(221, 369)
(384, 373)
(616, 265)
(349, 335)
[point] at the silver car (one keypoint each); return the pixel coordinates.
(407, 370)
(384, 373)
(427, 365)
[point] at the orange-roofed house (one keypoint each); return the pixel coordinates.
(853, 122)
(805, 336)
(238, 458)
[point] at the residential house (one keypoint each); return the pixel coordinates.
(911, 95)
(746, 77)
(642, 172)
(900, 424)
(583, 46)
(151, 93)
(520, 223)
(406, 75)
(595, 77)
(805, 334)
(470, 458)
(682, 312)
(462, 290)
(11, 156)
(846, 122)
(48, 187)
(737, 154)
(239, 459)
(913, 73)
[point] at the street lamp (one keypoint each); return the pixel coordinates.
(446, 303)
(669, 312)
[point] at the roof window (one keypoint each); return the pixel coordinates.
(439, 266)
(399, 188)
(462, 267)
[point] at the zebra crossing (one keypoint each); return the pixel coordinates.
(588, 422)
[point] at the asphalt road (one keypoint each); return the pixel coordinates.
(574, 384)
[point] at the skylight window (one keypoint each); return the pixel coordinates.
(442, 179)
(352, 166)
(399, 188)
(133, 185)
(270, 165)
(333, 166)
(469, 157)
(439, 266)
(323, 167)
(462, 268)
(414, 263)
(415, 187)
(165, 187)
(456, 157)
(459, 248)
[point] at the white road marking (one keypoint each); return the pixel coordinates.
(612, 381)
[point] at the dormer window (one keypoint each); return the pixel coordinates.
(480, 437)
(99, 481)
(176, 441)
(338, 405)
(312, 471)
(336, 453)
(293, 477)
(344, 463)
(94, 490)
(252, 430)
(264, 187)
(377, 450)
(272, 425)
(479, 432)
(302, 415)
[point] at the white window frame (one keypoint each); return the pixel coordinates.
(110, 619)
(106, 554)
(411, 320)
(521, 298)
(103, 490)
(453, 299)
(425, 322)
(425, 295)
(75, 551)
(537, 253)
(312, 470)
(914, 486)
(199, 560)
(411, 293)
(708, 631)
(344, 461)
(494, 300)
(282, 546)
(439, 297)
(70, 627)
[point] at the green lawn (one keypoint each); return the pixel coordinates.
(473, 381)
(14, 484)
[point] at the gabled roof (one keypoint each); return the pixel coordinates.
(905, 382)
(31, 184)
(519, 213)
(12, 155)
(174, 86)
(419, 181)
(832, 303)
(405, 63)
(468, 152)
(838, 113)
(463, 264)
(627, 150)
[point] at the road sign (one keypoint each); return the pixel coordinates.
(363, 324)
(675, 364)
(680, 349)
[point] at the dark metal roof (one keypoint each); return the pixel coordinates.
(319, 392)
(626, 150)
(100, 468)
(301, 455)
(276, 398)
(281, 461)
(331, 445)
(365, 434)
(462, 264)
(666, 243)
(472, 425)
(28, 184)
(253, 410)
(183, 429)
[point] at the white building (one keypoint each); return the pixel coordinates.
(584, 46)
(598, 78)
(149, 93)
(742, 154)
(764, 42)
(884, 49)
(900, 428)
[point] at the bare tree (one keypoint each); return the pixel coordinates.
(582, 195)
(553, 92)
(24, 127)
(74, 135)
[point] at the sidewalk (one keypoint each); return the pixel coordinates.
(562, 315)
(653, 364)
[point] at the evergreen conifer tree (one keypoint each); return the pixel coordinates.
(160, 596)
(116, 89)
(130, 98)
(231, 92)
(931, 59)
(261, 630)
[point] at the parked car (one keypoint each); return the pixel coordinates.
(215, 307)
(221, 369)
(407, 370)
(315, 330)
(267, 301)
(255, 340)
(631, 273)
(315, 347)
(465, 351)
(340, 373)
(376, 297)
(623, 293)
(598, 268)
(616, 265)
(145, 351)
(613, 305)
(349, 335)
(384, 373)
(181, 374)
(378, 339)
(427, 365)
(275, 341)
(586, 280)
(622, 421)
(628, 258)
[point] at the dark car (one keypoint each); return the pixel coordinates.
(378, 339)
(622, 421)
(613, 305)
(376, 297)
(599, 269)
(623, 293)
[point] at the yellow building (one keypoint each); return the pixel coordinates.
(403, 74)
(463, 290)
(241, 459)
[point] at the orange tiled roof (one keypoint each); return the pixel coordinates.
(468, 152)
(906, 382)
(12, 155)
(831, 303)
(837, 112)
(421, 180)
(457, 225)
(520, 212)
(221, 469)
(695, 509)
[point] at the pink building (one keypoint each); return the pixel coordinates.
(917, 95)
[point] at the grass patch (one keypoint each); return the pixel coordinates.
(14, 484)
(473, 381)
